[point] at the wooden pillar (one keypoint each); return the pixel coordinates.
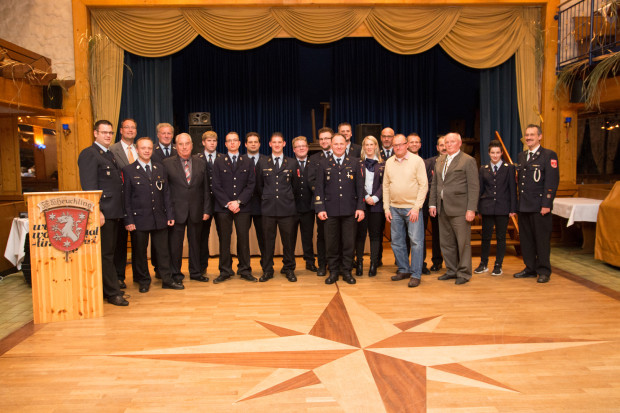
(10, 173)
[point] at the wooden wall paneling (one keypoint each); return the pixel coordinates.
(10, 173)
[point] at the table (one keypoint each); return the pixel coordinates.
(582, 210)
(15, 251)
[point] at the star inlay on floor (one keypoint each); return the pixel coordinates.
(364, 361)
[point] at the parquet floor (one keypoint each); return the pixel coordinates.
(496, 344)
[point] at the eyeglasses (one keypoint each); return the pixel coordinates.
(105, 132)
(398, 145)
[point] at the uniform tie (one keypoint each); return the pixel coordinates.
(303, 165)
(277, 162)
(130, 155)
(329, 154)
(148, 171)
(234, 160)
(338, 161)
(210, 159)
(529, 155)
(186, 169)
(494, 169)
(166, 151)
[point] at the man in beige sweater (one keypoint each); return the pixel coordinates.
(404, 189)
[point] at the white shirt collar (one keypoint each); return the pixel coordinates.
(450, 157)
(498, 164)
(125, 146)
(143, 165)
(535, 149)
(101, 146)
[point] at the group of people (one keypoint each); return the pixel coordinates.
(161, 191)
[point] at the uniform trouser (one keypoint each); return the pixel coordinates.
(305, 224)
(204, 243)
(500, 222)
(260, 235)
(120, 254)
(175, 241)
(321, 253)
(436, 258)
(242, 222)
(109, 277)
(159, 246)
(287, 226)
(456, 244)
(340, 243)
(371, 225)
(535, 235)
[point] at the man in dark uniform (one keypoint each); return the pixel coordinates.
(163, 147)
(339, 200)
(325, 141)
(189, 192)
(98, 171)
(148, 211)
(436, 259)
(209, 155)
(538, 180)
(233, 184)
(303, 190)
(387, 137)
(273, 180)
(352, 149)
(252, 145)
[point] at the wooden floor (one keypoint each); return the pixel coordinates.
(496, 344)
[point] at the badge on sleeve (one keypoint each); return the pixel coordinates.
(554, 163)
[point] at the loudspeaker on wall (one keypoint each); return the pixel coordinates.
(200, 118)
(364, 129)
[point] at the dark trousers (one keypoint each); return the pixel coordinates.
(305, 224)
(204, 243)
(340, 243)
(242, 222)
(120, 254)
(159, 247)
(109, 277)
(260, 235)
(176, 236)
(535, 234)
(287, 226)
(321, 253)
(500, 222)
(436, 259)
(371, 225)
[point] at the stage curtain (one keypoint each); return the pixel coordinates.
(106, 70)
(411, 30)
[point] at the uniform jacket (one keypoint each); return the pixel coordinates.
(201, 155)
(339, 191)
(538, 180)
(99, 171)
(231, 184)
(189, 200)
(275, 187)
(158, 154)
(461, 187)
(377, 188)
(303, 185)
(147, 199)
(355, 150)
(119, 154)
(384, 154)
(255, 202)
(498, 193)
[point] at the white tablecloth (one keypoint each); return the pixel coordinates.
(15, 251)
(576, 209)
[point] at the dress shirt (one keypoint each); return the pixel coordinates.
(133, 150)
(499, 165)
(339, 160)
(101, 146)
(166, 149)
(532, 152)
(254, 158)
(368, 182)
(144, 165)
(213, 156)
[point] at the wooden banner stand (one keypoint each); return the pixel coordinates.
(65, 255)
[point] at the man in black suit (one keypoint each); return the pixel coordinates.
(339, 200)
(233, 185)
(164, 148)
(325, 141)
(252, 145)
(273, 180)
(539, 177)
(99, 171)
(148, 212)
(436, 259)
(209, 155)
(352, 149)
(387, 137)
(189, 191)
(303, 189)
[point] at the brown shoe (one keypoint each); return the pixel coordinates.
(400, 276)
(414, 282)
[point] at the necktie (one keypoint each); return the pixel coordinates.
(494, 169)
(186, 169)
(148, 171)
(303, 165)
(445, 168)
(210, 159)
(234, 161)
(277, 162)
(254, 160)
(166, 152)
(529, 155)
(338, 161)
(329, 154)
(130, 155)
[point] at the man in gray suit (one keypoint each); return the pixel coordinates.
(125, 153)
(454, 198)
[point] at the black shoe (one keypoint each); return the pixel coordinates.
(461, 280)
(144, 288)
(372, 271)
(331, 279)
(173, 286)
(380, 264)
(400, 276)
(290, 275)
(157, 275)
(348, 278)
(359, 269)
(200, 278)
(321, 272)
(435, 267)
(354, 263)
(221, 278)
(497, 270)
(481, 268)
(118, 300)
(446, 276)
(249, 277)
(425, 271)
(265, 277)
(121, 284)
(543, 279)
(311, 267)
(525, 274)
